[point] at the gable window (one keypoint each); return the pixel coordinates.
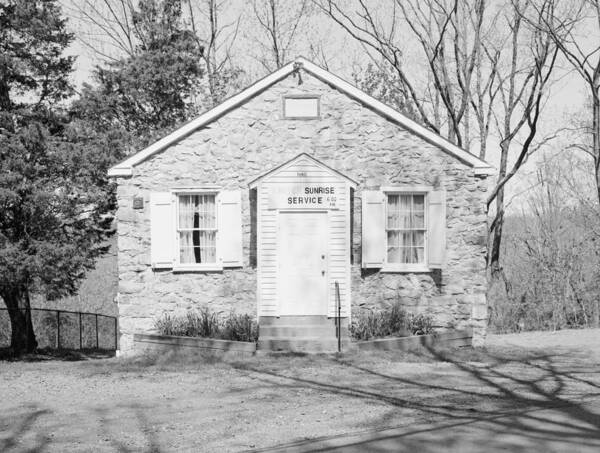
(301, 107)
(197, 228)
(405, 228)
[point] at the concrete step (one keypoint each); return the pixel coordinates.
(305, 344)
(300, 331)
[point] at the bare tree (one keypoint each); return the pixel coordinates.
(551, 252)
(531, 57)
(449, 34)
(105, 26)
(217, 40)
(566, 27)
(493, 63)
(280, 22)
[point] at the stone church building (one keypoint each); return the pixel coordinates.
(301, 181)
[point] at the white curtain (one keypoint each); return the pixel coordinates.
(197, 225)
(406, 228)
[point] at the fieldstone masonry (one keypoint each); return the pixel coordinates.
(254, 138)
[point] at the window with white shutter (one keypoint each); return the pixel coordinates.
(196, 229)
(373, 229)
(161, 230)
(404, 229)
(229, 244)
(437, 229)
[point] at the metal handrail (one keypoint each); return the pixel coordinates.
(80, 315)
(338, 324)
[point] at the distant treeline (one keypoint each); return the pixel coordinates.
(551, 266)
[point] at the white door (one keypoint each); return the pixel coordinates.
(302, 252)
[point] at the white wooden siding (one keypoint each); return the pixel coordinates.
(338, 234)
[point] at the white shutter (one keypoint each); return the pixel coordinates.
(229, 246)
(437, 229)
(162, 230)
(373, 229)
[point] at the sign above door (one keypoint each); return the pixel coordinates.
(302, 195)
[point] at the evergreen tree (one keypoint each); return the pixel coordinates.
(155, 89)
(50, 209)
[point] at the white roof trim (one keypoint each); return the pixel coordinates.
(288, 163)
(480, 167)
(125, 168)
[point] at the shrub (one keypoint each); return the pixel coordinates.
(207, 324)
(240, 328)
(168, 325)
(420, 324)
(393, 321)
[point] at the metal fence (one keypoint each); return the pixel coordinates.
(64, 329)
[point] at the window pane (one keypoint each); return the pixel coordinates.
(419, 202)
(393, 255)
(405, 204)
(393, 238)
(419, 254)
(392, 211)
(205, 211)
(418, 220)
(197, 247)
(406, 254)
(186, 211)
(405, 239)
(186, 249)
(418, 238)
(197, 211)
(404, 207)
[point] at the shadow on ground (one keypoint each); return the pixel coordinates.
(19, 432)
(68, 355)
(529, 403)
(433, 400)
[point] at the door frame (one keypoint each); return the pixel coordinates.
(327, 251)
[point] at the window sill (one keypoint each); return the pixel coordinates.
(198, 268)
(405, 268)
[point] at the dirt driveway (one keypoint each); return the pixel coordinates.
(528, 392)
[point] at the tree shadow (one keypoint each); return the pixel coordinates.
(111, 428)
(509, 402)
(22, 433)
(18, 429)
(50, 354)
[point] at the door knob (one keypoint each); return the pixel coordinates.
(323, 273)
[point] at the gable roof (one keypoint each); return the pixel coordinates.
(125, 168)
(298, 158)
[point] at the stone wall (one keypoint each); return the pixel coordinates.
(352, 139)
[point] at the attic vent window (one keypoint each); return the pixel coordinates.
(301, 107)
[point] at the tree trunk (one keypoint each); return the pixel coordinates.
(596, 152)
(495, 240)
(19, 311)
(5, 102)
(497, 287)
